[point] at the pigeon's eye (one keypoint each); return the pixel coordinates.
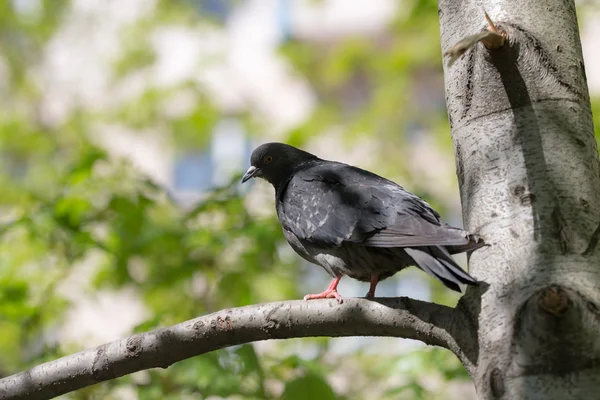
(268, 159)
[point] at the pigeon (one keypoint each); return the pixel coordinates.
(353, 222)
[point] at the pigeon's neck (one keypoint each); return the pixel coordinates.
(280, 189)
(283, 178)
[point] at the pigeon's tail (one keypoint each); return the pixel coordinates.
(437, 262)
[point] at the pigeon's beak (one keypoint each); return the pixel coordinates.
(252, 171)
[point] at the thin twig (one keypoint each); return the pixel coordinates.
(492, 38)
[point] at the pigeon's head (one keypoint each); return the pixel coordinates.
(276, 162)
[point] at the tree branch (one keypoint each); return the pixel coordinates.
(395, 317)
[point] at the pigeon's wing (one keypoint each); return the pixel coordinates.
(337, 203)
(415, 223)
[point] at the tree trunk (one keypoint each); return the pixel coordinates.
(528, 170)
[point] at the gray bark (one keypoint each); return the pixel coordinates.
(399, 317)
(528, 170)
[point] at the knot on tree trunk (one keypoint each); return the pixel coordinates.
(554, 342)
(553, 300)
(556, 332)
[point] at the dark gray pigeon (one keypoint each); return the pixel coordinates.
(353, 222)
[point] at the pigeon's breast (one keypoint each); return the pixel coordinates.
(297, 245)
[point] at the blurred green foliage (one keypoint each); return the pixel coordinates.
(67, 202)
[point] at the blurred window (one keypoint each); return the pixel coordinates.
(228, 155)
(218, 9)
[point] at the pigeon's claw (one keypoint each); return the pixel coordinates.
(329, 293)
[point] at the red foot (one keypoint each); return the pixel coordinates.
(329, 293)
(374, 282)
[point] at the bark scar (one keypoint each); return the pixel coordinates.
(100, 367)
(593, 242)
(561, 228)
(133, 346)
(497, 383)
(224, 323)
(271, 323)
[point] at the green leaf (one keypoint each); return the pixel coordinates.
(310, 386)
(72, 210)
